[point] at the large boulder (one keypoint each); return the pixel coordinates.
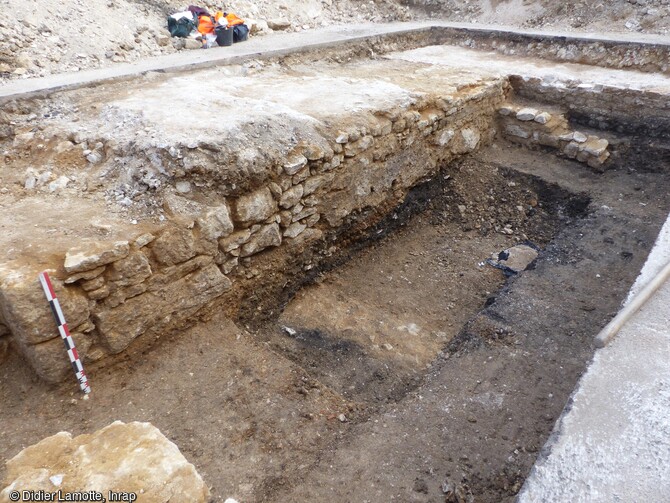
(133, 458)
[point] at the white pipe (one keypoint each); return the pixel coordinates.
(608, 333)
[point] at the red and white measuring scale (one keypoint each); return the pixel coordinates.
(64, 332)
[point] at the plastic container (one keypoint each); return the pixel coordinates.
(224, 36)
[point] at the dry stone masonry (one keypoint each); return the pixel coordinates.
(213, 251)
(530, 126)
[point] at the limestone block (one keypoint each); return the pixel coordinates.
(543, 118)
(526, 114)
(122, 294)
(382, 127)
(444, 137)
(312, 220)
(235, 240)
(294, 230)
(255, 207)
(342, 137)
(355, 148)
(571, 149)
(471, 138)
(311, 201)
(515, 130)
(314, 183)
(276, 190)
(181, 298)
(294, 164)
(94, 255)
(306, 237)
(175, 272)
(314, 152)
(100, 293)
(130, 458)
(216, 223)
(579, 137)
(301, 176)
(50, 360)
(306, 212)
(86, 275)
(548, 140)
(598, 162)
(131, 270)
(93, 284)
(174, 245)
(291, 197)
(595, 146)
(144, 239)
(279, 24)
(230, 265)
(26, 310)
(285, 218)
(506, 110)
(267, 236)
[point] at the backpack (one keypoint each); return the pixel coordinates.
(240, 33)
(181, 27)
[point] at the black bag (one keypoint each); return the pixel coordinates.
(240, 33)
(181, 27)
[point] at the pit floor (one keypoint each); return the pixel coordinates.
(438, 389)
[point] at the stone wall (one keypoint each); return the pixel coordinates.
(214, 252)
(645, 57)
(533, 128)
(625, 111)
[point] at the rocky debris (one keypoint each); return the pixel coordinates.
(126, 458)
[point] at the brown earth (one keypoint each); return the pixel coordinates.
(411, 371)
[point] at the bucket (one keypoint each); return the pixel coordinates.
(224, 36)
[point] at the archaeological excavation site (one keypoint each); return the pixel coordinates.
(353, 263)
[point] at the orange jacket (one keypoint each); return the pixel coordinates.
(233, 20)
(206, 25)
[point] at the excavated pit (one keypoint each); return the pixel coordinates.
(298, 294)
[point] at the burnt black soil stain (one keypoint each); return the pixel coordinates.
(477, 422)
(356, 371)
